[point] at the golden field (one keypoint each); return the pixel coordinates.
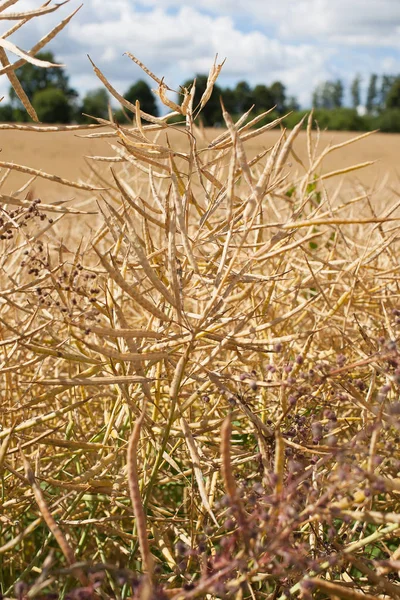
(63, 153)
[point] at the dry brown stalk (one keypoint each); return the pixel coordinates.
(17, 86)
(55, 178)
(142, 301)
(339, 591)
(194, 453)
(50, 521)
(212, 77)
(122, 100)
(46, 128)
(279, 465)
(134, 490)
(228, 477)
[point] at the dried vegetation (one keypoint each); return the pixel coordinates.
(200, 400)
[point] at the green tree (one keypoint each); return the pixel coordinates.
(6, 112)
(52, 105)
(355, 92)
(34, 79)
(372, 93)
(263, 98)
(386, 86)
(292, 104)
(388, 121)
(95, 104)
(393, 96)
(337, 95)
(244, 97)
(229, 100)
(316, 97)
(278, 92)
(141, 91)
(328, 94)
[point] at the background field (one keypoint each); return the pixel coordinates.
(63, 153)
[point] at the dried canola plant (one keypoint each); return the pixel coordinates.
(201, 399)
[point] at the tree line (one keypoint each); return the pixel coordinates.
(55, 101)
(382, 93)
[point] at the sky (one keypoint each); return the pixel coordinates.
(298, 42)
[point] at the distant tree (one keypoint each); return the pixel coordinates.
(141, 91)
(6, 112)
(95, 103)
(52, 105)
(339, 119)
(292, 104)
(393, 96)
(328, 94)
(212, 112)
(263, 98)
(316, 97)
(355, 91)
(34, 79)
(19, 115)
(278, 92)
(388, 120)
(337, 93)
(372, 93)
(386, 86)
(244, 97)
(229, 99)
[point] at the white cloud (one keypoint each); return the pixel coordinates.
(180, 44)
(299, 42)
(368, 22)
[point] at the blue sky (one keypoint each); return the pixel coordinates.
(299, 42)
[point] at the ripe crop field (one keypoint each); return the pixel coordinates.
(63, 154)
(199, 359)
